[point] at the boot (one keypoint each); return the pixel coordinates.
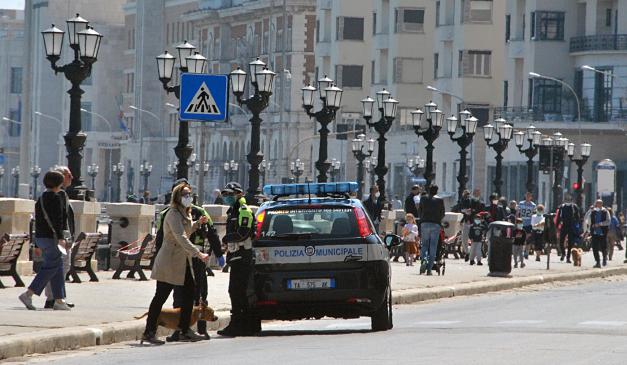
(151, 338)
(174, 337)
(190, 336)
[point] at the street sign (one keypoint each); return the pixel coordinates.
(204, 97)
(2, 159)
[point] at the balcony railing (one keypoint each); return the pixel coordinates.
(537, 114)
(601, 42)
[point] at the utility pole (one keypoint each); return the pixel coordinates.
(201, 173)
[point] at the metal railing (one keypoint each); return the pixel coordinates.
(537, 114)
(601, 42)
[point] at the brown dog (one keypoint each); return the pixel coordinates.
(169, 318)
(576, 253)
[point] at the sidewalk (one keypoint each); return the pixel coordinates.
(104, 310)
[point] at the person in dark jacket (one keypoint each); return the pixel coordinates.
(496, 209)
(50, 224)
(599, 223)
(411, 201)
(431, 213)
(569, 217)
(374, 206)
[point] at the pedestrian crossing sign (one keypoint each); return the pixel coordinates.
(204, 97)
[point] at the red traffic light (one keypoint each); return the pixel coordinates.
(575, 186)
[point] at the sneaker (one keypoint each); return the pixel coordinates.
(522, 265)
(597, 266)
(568, 261)
(151, 338)
(423, 268)
(27, 300)
(467, 258)
(538, 258)
(61, 306)
(174, 337)
(479, 263)
(472, 262)
(604, 262)
(515, 266)
(190, 336)
(49, 304)
(71, 305)
(562, 258)
(429, 273)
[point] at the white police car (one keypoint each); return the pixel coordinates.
(317, 254)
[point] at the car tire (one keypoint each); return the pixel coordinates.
(381, 320)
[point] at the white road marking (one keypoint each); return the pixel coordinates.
(603, 323)
(521, 321)
(435, 323)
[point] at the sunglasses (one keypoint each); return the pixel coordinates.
(185, 195)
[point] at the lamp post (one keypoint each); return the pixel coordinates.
(144, 170)
(118, 171)
(85, 42)
(297, 168)
(201, 168)
(331, 98)
(429, 129)
(462, 132)
(92, 171)
(416, 165)
(533, 138)
(188, 62)
(264, 167)
(35, 171)
(387, 106)
(360, 156)
(584, 154)
(335, 169)
(370, 166)
(1, 178)
(230, 168)
(15, 172)
(261, 79)
(172, 170)
(503, 133)
(556, 145)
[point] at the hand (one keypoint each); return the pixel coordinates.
(204, 257)
(63, 243)
(203, 220)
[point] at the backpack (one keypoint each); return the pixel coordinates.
(159, 235)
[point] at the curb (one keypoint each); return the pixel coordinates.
(73, 338)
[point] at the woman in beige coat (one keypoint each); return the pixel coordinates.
(172, 266)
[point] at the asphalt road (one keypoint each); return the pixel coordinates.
(563, 324)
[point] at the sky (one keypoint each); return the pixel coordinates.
(12, 4)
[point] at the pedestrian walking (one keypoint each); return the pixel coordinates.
(173, 265)
(613, 234)
(599, 224)
(520, 237)
(569, 218)
(496, 209)
(477, 235)
(374, 206)
(470, 207)
(537, 233)
(525, 211)
(412, 200)
(410, 239)
(431, 213)
(50, 228)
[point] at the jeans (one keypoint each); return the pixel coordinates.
(161, 295)
(200, 290)
(465, 234)
(475, 251)
(567, 231)
(66, 269)
(51, 270)
(517, 253)
(599, 243)
(430, 235)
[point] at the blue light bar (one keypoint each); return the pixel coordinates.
(312, 188)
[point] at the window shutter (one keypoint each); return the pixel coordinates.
(338, 75)
(396, 20)
(340, 28)
(466, 10)
(532, 28)
(468, 63)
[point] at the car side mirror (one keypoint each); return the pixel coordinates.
(392, 240)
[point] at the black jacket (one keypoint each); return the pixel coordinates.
(56, 209)
(431, 209)
(497, 212)
(373, 208)
(70, 212)
(410, 205)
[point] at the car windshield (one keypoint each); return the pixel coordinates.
(320, 222)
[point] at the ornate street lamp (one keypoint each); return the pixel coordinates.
(503, 133)
(358, 151)
(15, 172)
(331, 98)
(172, 170)
(262, 80)
(202, 169)
(118, 171)
(144, 170)
(335, 169)
(297, 168)
(85, 42)
(230, 168)
(188, 62)
(584, 154)
(462, 131)
(534, 140)
(92, 171)
(264, 167)
(387, 106)
(416, 165)
(370, 167)
(429, 128)
(35, 171)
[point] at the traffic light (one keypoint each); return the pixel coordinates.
(575, 186)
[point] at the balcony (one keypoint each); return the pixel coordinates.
(568, 114)
(598, 43)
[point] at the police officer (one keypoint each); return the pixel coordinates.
(238, 238)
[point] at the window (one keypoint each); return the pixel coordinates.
(547, 95)
(16, 80)
(547, 26)
(350, 29)
(436, 62)
(437, 13)
(349, 75)
(444, 177)
(317, 34)
(505, 92)
(608, 17)
(372, 68)
(508, 25)
(407, 70)
(409, 20)
(130, 82)
(476, 11)
(86, 119)
(15, 128)
(475, 63)
(374, 23)
(603, 94)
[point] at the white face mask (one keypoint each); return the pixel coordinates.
(377, 195)
(596, 209)
(477, 221)
(495, 202)
(186, 201)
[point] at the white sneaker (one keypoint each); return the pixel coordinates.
(27, 300)
(61, 306)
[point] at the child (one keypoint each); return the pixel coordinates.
(476, 235)
(537, 225)
(520, 237)
(410, 236)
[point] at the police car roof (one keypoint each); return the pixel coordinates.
(317, 201)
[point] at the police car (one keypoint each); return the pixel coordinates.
(317, 254)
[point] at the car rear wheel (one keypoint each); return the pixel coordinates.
(381, 320)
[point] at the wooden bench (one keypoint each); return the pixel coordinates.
(136, 257)
(11, 246)
(83, 250)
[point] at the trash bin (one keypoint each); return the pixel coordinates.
(500, 239)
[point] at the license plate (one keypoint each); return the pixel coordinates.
(309, 284)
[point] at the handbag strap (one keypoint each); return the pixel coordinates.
(43, 209)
